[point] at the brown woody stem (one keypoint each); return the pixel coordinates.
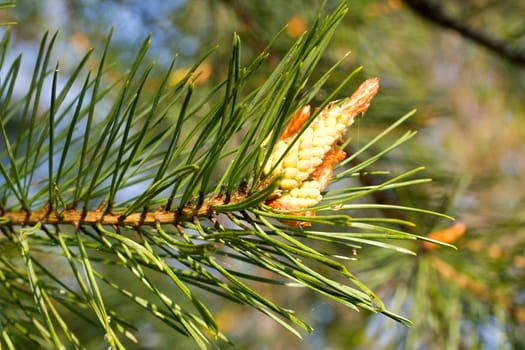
(77, 217)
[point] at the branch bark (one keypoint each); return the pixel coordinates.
(432, 11)
(77, 218)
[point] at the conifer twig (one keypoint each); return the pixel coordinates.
(434, 12)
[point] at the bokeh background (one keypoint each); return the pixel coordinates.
(470, 101)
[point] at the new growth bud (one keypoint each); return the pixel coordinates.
(306, 165)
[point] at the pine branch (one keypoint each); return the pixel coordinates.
(207, 209)
(434, 12)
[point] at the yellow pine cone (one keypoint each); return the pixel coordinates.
(307, 166)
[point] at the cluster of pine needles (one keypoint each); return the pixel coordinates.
(103, 182)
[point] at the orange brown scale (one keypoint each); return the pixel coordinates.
(295, 124)
(324, 172)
